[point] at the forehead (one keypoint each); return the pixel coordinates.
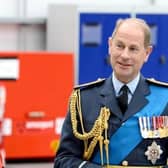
(130, 31)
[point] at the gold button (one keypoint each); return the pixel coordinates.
(125, 163)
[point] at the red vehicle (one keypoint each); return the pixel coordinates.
(38, 86)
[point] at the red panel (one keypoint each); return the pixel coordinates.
(44, 85)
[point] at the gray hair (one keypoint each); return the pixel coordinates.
(145, 27)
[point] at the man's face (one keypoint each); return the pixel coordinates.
(127, 51)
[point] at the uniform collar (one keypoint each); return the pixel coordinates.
(131, 85)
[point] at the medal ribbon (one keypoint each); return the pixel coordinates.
(121, 142)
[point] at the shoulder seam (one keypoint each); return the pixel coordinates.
(99, 80)
(152, 80)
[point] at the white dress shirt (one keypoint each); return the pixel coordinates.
(132, 85)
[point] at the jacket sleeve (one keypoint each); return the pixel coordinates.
(70, 152)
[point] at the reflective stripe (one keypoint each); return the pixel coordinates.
(82, 164)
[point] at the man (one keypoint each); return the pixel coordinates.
(112, 126)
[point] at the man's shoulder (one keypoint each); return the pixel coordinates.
(97, 82)
(156, 82)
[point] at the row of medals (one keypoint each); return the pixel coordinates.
(154, 127)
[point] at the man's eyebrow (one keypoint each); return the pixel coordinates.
(119, 41)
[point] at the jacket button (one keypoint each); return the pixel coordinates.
(125, 163)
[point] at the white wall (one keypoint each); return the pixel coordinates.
(17, 30)
(39, 8)
(8, 8)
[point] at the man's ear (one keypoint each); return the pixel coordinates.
(109, 44)
(148, 52)
(109, 41)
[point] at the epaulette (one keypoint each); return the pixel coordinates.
(99, 80)
(152, 80)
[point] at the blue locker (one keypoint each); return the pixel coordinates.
(157, 66)
(95, 29)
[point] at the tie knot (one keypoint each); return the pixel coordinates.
(124, 89)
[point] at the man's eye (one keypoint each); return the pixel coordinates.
(120, 46)
(134, 49)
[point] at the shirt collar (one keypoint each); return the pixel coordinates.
(131, 85)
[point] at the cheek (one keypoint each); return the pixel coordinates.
(113, 57)
(139, 62)
(114, 54)
(140, 58)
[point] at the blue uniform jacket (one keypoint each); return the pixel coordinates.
(93, 97)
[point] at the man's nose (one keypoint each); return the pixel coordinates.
(125, 53)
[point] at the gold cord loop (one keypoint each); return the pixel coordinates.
(100, 125)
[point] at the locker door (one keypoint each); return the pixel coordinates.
(157, 66)
(163, 48)
(95, 28)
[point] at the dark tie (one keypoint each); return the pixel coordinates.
(123, 98)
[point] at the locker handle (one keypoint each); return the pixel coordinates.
(36, 114)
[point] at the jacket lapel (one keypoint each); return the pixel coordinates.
(109, 98)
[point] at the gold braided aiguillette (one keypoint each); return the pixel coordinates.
(100, 126)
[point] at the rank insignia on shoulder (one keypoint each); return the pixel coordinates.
(153, 152)
(99, 80)
(152, 80)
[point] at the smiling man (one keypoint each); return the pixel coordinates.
(121, 121)
(129, 48)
